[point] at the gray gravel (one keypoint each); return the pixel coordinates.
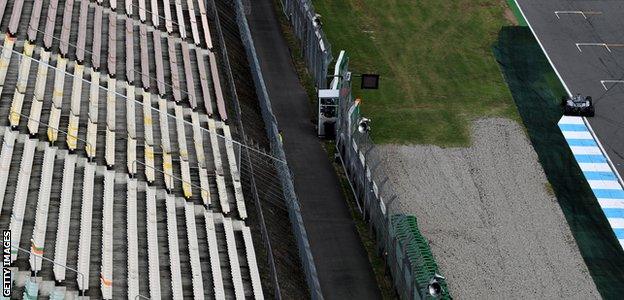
(489, 214)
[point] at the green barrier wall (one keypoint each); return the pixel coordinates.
(416, 249)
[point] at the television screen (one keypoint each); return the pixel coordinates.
(370, 81)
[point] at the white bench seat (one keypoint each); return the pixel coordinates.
(215, 261)
(198, 140)
(216, 154)
(155, 17)
(43, 202)
(97, 38)
(16, 109)
(180, 15)
(149, 137)
(129, 51)
(94, 98)
(253, 264)
(42, 74)
(64, 218)
(205, 186)
(111, 97)
(152, 243)
(16, 15)
(168, 171)
(233, 258)
(188, 73)
(129, 7)
(193, 247)
(6, 155)
(74, 113)
(160, 73)
(86, 217)
(50, 21)
(66, 27)
(40, 83)
(35, 16)
(3, 4)
(163, 116)
(168, 17)
(173, 65)
(235, 173)
(21, 193)
(216, 83)
(82, 31)
(203, 80)
(24, 67)
(112, 47)
(57, 99)
(193, 21)
(165, 143)
(133, 238)
(174, 248)
(145, 63)
(5, 57)
(131, 130)
(142, 14)
(205, 26)
(201, 159)
(106, 272)
(183, 150)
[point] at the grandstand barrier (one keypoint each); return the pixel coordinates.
(285, 177)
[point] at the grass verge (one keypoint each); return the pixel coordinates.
(435, 60)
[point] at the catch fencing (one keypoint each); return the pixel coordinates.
(398, 240)
(307, 27)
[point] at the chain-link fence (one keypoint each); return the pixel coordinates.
(284, 174)
(315, 48)
(405, 251)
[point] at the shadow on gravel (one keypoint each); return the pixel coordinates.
(536, 91)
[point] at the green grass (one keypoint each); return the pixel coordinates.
(516, 11)
(435, 60)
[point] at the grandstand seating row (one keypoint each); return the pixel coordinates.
(45, 60)
(92, 176)
(62, 94)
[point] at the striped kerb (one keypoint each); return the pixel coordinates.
(601, 178)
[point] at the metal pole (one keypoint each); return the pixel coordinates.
(54, 262)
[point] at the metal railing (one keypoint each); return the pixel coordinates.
(284, 174)
(375, 195)
(82, 276)
(253, 173)
(307, 27)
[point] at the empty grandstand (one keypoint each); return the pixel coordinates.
(118, 163)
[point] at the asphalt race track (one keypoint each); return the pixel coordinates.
(585, 45)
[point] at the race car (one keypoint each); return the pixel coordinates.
(578, 106)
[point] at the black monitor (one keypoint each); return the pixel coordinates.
(370, 81)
